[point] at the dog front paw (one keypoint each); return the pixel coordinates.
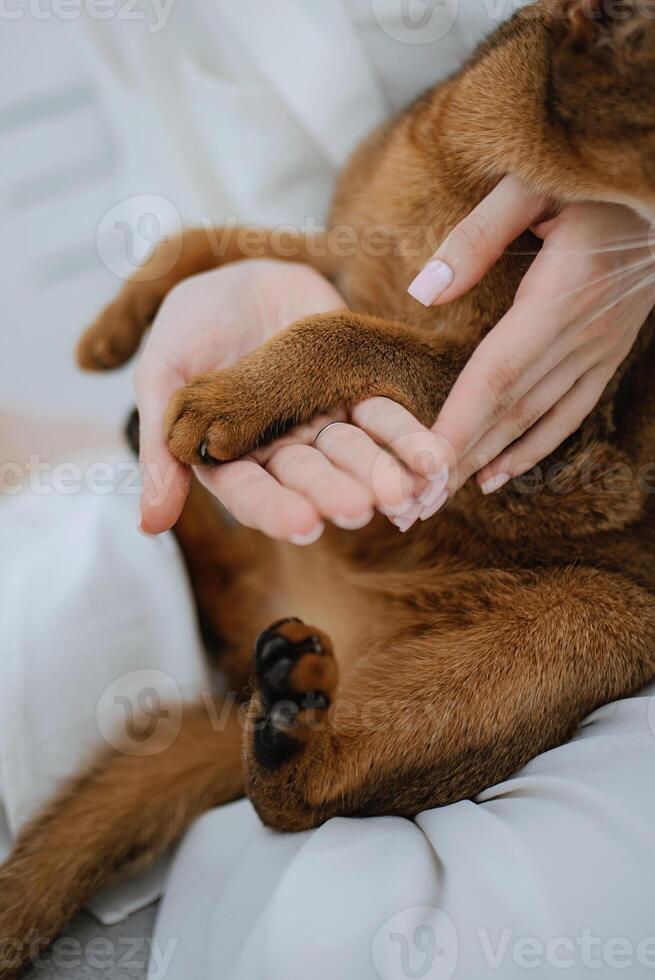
(217, 418)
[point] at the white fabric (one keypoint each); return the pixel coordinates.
(550, 873)
(90, 611)
(247, 110)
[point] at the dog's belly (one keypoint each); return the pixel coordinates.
(313, 585)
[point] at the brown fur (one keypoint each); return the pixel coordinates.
(446, 659)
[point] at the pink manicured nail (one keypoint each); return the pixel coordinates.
(436, 485)
(404, 525)
(440, 478)
(431, 282)
(405, 521)
(402, 509)
(302, 540)
(495, 483)
(435, 507)
(353, 523)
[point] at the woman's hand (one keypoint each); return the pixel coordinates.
(207, 323)
(530, 383)
(538, 374)
(288, 489)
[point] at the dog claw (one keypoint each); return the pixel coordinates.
(205, 456)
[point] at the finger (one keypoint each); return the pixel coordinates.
(165, 480)
(542, 328)
(302, 435)
(478, 241)
(165, 490)
(525, 413)
(558, 424)
(393, 426)
(335, 494)
(499, 373)
(531, 340)
(391, 486)
(257, 500)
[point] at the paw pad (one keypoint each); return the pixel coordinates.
(279, 652)
(296, 675)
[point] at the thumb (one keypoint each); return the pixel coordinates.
(477, 242)
(165, 480)
(165, 487)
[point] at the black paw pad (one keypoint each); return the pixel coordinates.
(275, 657)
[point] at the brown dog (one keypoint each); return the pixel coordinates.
(443, 661)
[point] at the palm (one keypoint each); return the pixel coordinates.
(212, 320)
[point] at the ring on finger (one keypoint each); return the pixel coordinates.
(321, 431)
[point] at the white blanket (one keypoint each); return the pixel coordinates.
(552, 872)
(549, 874)
(90, 611)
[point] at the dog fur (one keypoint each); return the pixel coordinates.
(444, 660)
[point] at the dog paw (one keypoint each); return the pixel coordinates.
(116, 334)
(213, 420)
(296, 675)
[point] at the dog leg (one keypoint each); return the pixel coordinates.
(437, 714)
(315, 366)
(117, 332)
(114, 821)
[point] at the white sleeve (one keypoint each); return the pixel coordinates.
(249, 111)
(200, 125)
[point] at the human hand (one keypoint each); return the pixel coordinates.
(538, 374)
(206, 323)
(285, 490)
(545, 383)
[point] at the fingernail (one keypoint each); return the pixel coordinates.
(433, 508)
(304, 539)
(441, 476)
(431, 282)
(402, 509)
(495, 483)
(405, 521)
(403, 525)
(436, 485)
(353, 523)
